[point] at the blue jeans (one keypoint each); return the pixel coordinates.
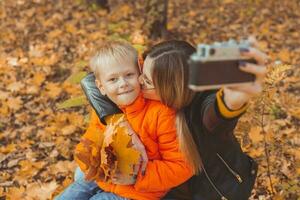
(84, 190)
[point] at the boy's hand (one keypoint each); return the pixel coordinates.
(92, 159)
(236, 97)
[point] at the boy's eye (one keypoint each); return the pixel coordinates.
(129, 74)
(112, 79)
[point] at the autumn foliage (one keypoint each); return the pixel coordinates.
(44, 49)
(111, 155)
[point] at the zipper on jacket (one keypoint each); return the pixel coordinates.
(238, 177)
(214, 186)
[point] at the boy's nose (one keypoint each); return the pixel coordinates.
(123, 82)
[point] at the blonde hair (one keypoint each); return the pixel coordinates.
(112, 52)
(170, 78)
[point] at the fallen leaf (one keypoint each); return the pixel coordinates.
(38, 79)
(16, 193)
(67, 130)
(53, 89)
(15, 86)
(255, 134)
(14, 103)
(41, 191)
(285, 55)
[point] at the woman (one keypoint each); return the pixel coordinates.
(205, 121)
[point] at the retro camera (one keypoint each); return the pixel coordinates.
(217, 65)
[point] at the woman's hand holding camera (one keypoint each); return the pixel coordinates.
(236, 96)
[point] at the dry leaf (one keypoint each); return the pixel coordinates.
(15, 86)
(118, 156)
(53, 90)
(285, 55)
(14, 103)
(67, 130)
(255, 134)
(38, 79)
(138, 38)
(41, 191)
(16, 193)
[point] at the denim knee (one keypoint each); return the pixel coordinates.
(78, 174)
(80, 189)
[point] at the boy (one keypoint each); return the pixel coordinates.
(117, 74)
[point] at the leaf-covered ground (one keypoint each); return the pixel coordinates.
(43, 42)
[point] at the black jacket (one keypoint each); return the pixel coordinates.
(228, 173)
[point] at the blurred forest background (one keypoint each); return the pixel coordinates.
(44, 49)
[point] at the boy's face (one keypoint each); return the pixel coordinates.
(119, 82)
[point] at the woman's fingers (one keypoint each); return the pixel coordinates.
(143, 158)
(144, 162)
(138, 145)
(260, 57)
(257, 70)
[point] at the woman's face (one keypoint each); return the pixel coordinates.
(145, 78)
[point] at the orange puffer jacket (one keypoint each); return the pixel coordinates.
(155, 125)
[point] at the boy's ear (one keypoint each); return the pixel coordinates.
(100, 86)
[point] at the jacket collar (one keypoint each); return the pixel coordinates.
(136, 106)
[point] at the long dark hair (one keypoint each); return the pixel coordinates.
(170, 77)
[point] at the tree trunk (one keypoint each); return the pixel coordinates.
(156, 18)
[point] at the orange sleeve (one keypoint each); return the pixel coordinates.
(172, 169)
(94, 133)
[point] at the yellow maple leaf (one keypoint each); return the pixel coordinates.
(8, 148)
(69, 129)
(53, 89)
(256, 152)
(15, 86)
(38, 79)
(118, 143)
(16, 193)
(127, 157)
(255, 134)
(14, 103)
(285, 55)
(4, 110)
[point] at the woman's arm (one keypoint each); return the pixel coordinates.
(221, 112)
(216, 117)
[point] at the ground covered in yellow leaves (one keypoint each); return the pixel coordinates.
(44, 42)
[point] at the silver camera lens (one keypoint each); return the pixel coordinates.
(212, 51)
